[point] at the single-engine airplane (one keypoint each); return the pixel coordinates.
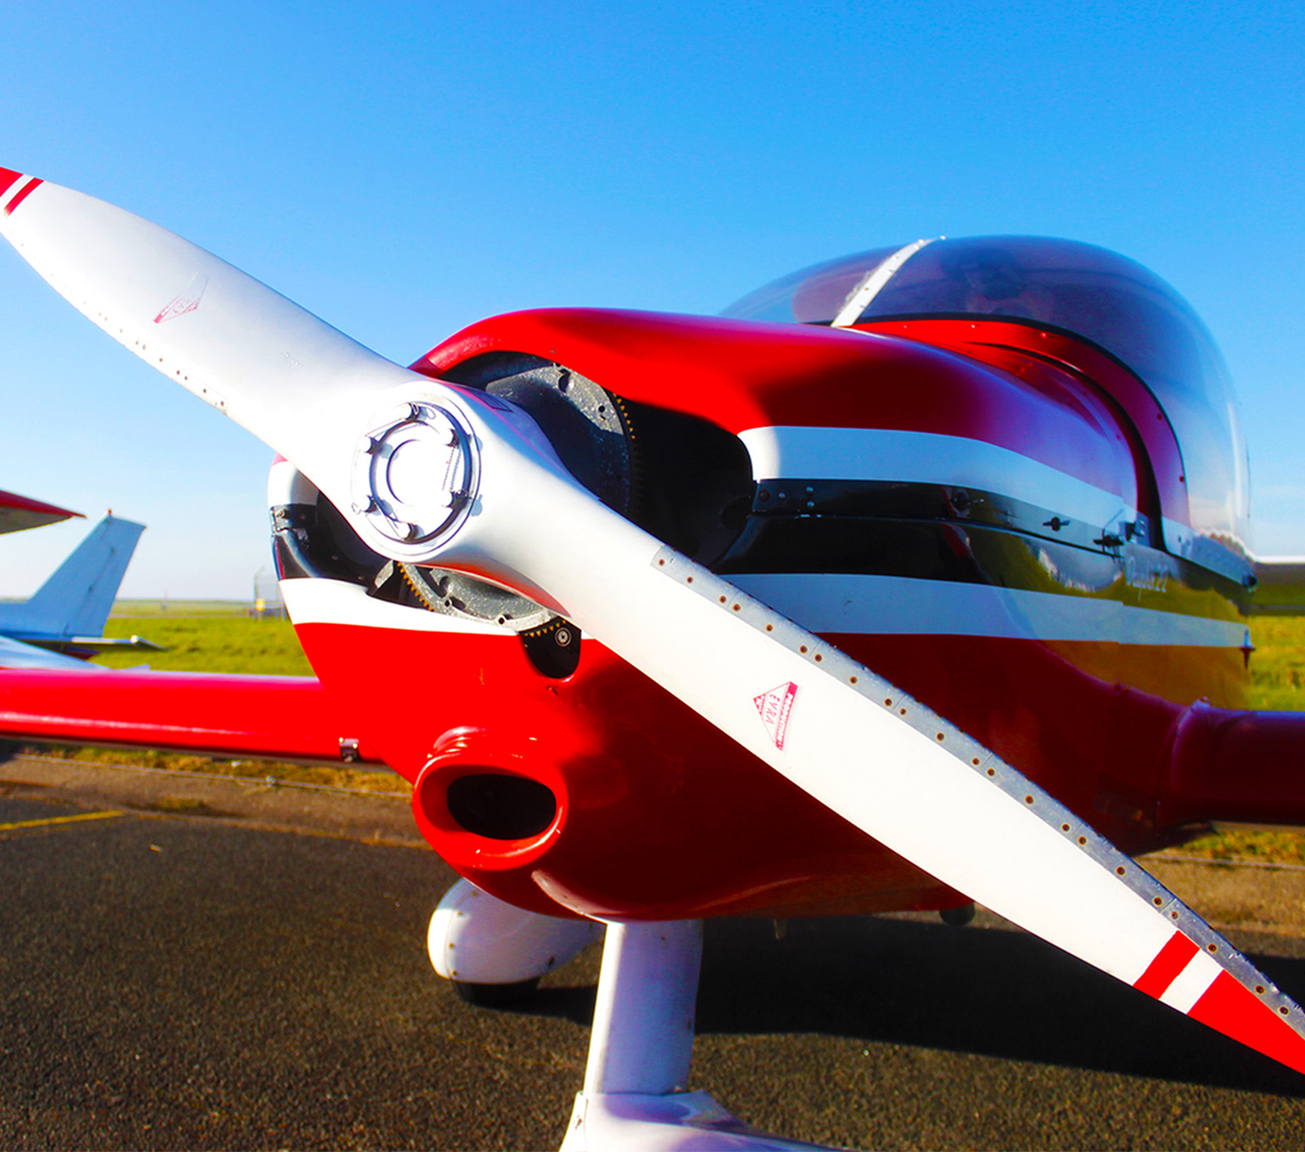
(63, 622)
(916, 579)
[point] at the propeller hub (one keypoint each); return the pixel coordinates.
(414, 474)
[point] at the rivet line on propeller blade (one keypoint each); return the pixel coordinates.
(828, 660)
(141, 348)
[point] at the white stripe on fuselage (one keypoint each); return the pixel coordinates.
(840, 603)
(895, 605)
(314, 601)
(890, 455)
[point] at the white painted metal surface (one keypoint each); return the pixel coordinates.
(682, 1122)
(895, 605)
(15, 654)
(642, 1037)
(891, 454)
(837, 602)
(634, 1096)
(232, 341)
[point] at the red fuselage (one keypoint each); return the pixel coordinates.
(971, 509)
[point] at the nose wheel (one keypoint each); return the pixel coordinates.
(495, 953)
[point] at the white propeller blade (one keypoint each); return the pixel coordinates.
(478, 489)
(277, 370)
(884, 762)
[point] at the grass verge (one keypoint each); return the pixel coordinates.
(324, 775)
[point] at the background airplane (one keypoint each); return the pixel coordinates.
(444, 532)
(63, 622)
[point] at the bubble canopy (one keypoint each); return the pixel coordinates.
(1095, 294)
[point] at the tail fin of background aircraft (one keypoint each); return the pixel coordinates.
(76, 599)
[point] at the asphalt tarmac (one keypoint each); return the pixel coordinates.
(227, 965)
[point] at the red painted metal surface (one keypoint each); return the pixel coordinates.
(22, 194)
(8, 178)
(660, 816)
(741, 374)
(1237, 765)
(993, 340)
(279, 717)
(1233, 1010)
(1168, 963)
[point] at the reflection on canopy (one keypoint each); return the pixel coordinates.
(1109, 300)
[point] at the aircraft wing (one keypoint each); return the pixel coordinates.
(106, 643)
(276, 717)
(19, 512)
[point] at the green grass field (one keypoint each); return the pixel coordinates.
(220, 636)
(211, 642)
(165, 609)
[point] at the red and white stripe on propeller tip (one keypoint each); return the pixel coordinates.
(1236, 1000)
(15, 187)
(884, 762)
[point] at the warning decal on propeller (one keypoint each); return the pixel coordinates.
(188, 301)
(775, 707)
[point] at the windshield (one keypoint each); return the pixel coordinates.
(1114, 302)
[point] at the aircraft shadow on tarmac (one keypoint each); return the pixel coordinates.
(995, 993)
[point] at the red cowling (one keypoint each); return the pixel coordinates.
(740, 374)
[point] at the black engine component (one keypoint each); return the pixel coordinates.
(679, 477)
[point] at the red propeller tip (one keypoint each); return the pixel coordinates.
(1236, 1011)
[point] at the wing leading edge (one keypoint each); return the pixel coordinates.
(276, 717)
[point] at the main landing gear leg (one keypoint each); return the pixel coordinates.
(634, 1095)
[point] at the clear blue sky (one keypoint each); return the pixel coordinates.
(403, 170)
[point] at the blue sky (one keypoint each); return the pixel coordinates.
(405, 171)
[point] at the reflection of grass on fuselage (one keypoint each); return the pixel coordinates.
(1278, 663)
